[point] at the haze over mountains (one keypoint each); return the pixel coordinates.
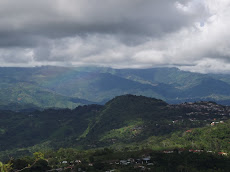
(62, 87)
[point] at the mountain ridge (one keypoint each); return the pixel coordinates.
(46, 87)
(127, 120)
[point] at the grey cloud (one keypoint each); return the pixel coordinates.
(15, 56)
(190, 34)
(61, 18)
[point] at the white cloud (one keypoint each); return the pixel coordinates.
(192, 35)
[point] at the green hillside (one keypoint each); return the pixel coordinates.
(216, 138)
(124, 113)
(20, 89)
(170, 76)
(59, 127)
(130, 121)
(126, 129)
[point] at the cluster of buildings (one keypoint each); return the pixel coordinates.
(141, 163)
(193, 151)
(205, 111)
(207, 107)
(144, 163)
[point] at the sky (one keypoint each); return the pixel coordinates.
(192, 35)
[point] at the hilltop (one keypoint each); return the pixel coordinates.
(125, 121)
(132, 119)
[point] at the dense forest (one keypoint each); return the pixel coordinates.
(125, 127)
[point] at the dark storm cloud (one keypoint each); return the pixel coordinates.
(26, 19)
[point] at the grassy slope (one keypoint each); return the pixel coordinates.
(131, 118)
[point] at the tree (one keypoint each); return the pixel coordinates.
(38, 156)
(5, 167)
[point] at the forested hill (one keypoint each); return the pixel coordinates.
(129, 120)
(24, 129)
(62, 87)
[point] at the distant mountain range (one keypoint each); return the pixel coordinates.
(61, 87)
